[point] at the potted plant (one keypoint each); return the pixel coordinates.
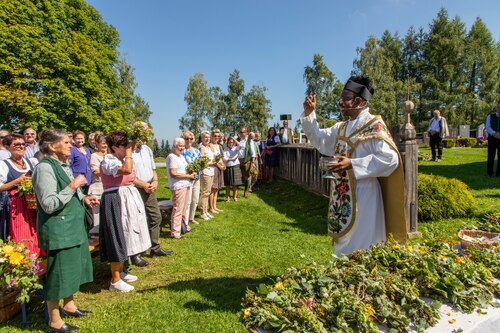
(25, 188)
(19, 272)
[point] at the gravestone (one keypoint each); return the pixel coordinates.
(464, 131)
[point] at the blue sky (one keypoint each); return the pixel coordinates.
(268, 41)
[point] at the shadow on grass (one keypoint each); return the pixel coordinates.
(308, 212)
(473, 174)
(222, 294)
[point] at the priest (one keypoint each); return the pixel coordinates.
(367, 192)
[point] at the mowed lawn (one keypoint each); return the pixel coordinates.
(200, 288)
(469, 166)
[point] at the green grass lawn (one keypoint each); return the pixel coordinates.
(200, 288)
(469, 166)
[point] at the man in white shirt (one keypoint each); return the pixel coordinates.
(30, 141)
(438, 130)
(4, 153)
(493, 129)
(286, 133)
(146, 182)
(367, 192)
(247, 157)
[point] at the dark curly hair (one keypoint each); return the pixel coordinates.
(116, 139)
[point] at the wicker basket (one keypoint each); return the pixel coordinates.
(8, 305)
(30, 200)
(464, 242)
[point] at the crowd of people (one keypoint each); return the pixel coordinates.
(106, 187)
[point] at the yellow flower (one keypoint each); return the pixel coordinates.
(370, 312)
(7, 249)
(452, 321)
(374, 270)
(422, 249)
(246, 313)
(279, 285)
(409, 248)
(395, 247)
(460, 260)
(16, 258)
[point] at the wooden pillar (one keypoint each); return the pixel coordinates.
(409, 152)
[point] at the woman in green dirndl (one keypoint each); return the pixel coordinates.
(61, 228)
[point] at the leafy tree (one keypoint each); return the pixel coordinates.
(321, 81)
(234, 115)
(482, 73)
(162, 152)
(57, 67)
(167, 149)
(257, 109)
(155, 147)
(444, 71)
(198, 102)
(217, 115)
(373, 61)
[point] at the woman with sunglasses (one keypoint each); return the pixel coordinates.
(218, 181)
(191, 154)
(18, 222)
(4, 153)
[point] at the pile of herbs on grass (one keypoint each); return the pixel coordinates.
(381, 286)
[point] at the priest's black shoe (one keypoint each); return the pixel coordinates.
(138, 261)
(64, 328)
(77, 313)
(161, 253)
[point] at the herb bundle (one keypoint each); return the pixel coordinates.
(381, 286)
(198, 164)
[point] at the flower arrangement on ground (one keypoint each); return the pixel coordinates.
(381, 286)
(19, 270)
(198, 164)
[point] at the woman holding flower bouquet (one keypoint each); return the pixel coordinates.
(207, 174)
(61, 228)
(179, 182)
(232, 174)
(192, 154)
(218, 181)
(18, 221)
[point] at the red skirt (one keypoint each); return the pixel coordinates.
(22, 227)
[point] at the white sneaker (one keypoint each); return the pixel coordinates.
(128, 277)
(210, 215)
(121, 286)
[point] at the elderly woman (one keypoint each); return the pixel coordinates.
(232, 174)
(191, 154)
(207, 174)
(95, 187)
(80, 158)
(61, 228)
(18, 222)
(179, 182)
(218, 181)
(123, 229)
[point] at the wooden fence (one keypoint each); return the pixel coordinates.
(299, 163)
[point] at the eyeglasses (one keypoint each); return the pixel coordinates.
(190, 139)
(243, 132)
(19, 145)
(29, 134)
(345, 99)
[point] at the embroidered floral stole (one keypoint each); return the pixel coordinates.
(342, 209)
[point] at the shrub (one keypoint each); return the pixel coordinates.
(449, 143)
(466, 142)
(441, 198)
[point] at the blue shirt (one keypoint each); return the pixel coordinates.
(190, 156)
(79, 163)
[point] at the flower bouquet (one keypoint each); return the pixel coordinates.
(25, 188)
(19, 270)
(140, 131)
(198, 164)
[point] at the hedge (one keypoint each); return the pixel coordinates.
(441, 198)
